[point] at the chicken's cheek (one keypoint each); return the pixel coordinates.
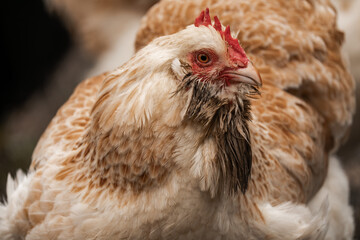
(202, 74)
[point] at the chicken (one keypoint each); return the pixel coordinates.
(164, 148)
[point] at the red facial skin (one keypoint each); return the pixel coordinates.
(214, 70)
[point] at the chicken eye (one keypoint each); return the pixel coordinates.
(203, 58)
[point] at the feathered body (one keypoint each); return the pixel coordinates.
(132, 155)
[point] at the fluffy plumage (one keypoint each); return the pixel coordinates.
(131, 156)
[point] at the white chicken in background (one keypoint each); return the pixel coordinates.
(106, 29)
(348, 21)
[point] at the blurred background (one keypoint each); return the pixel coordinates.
(49, 46)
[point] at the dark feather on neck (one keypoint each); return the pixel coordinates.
(227, 122)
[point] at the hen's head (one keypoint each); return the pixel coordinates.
(209, 54)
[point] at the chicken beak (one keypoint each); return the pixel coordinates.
(248, 75)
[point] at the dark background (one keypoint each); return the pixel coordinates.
(40, 67)
(32, 44)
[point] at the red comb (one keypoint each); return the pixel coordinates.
(203, 18)
(236, 51)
